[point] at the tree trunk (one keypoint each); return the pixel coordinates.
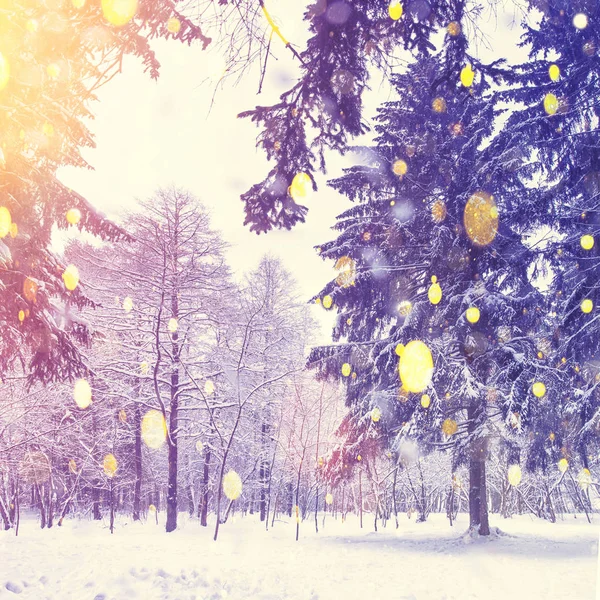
(478, 513)
(172, 437)
(137, 490)
(394, 505)
(18, 510)
(360, 500)
(172, 477)
(204, 496)
(450, 504)
(112, 507)
(550, 507)
(484, 527)
(290, 496)
(50, 510)
(96, 501)
(317, 508)
(263, 473)
(4, 515)
(423, 501)
(297, 509)
(40, 496)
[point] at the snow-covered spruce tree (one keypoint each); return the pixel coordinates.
(323, 111)
(553, 130)
(432, 271)
(53, 57)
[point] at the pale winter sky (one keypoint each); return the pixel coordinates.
(152, 134)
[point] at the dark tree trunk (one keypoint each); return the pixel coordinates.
(264, 473)
(96, 501)
(204, 497)
(50, 510)
(111, 503)
(12, 507)
(172, 478)
(18, 510)
(172, 438)
(4, 515)
(297, 507)
(474, 490)
(290, 495)
(39, 494)
(394, 504)
(450, 505)
(137, 490)
(317, 508)
(484, 525)
(478, 512)
(360, 498)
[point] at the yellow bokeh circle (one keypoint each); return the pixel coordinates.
(587, 306)
(453, 28)
(232, 485)
(467, 75)
(481, 218)
(538, 389)
(395, 10)
(416, 366)
(449, 427)
(71, 277)
(473, 314)
(550, 104)
(439, 105)
(435, 291)
(82, 393)
(119, 12)
(110, 465)
(4, 71)
(587, 242)
(5, 221)
(154, 429)
(514, 475)
(400, 168)
(174, 25)
(584, 479)
(73, 216)
(300, 186)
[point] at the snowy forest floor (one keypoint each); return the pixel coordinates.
(533, 559)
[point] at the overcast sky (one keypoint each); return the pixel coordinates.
(151, 134)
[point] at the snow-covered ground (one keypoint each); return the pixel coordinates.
(534, 560)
